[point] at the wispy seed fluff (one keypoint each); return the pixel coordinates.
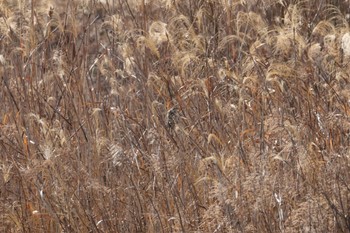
(345, 44)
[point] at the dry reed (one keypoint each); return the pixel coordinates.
(174, 116)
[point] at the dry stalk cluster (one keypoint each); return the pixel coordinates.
(174, 116)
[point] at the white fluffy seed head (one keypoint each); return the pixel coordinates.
(345, 44)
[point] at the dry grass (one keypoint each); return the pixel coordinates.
(174, 116)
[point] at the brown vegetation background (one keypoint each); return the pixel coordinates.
(174, 116)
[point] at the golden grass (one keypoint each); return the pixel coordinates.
(174, 116)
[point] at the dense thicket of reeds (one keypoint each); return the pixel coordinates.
(174, 116)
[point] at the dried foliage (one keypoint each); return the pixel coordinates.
(174, 116)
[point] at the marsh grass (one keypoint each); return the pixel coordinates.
(174, 116)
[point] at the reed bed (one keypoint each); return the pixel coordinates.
(174, 116)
